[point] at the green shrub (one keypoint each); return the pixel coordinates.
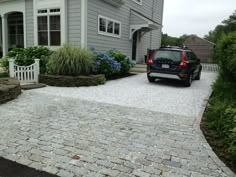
(221, 113)
(26, 56)
(5, 74)
(71, 60)
(123, 60)
(226, 55)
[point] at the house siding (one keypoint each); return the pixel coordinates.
(74, 21)
(100, 42)
(29, 17)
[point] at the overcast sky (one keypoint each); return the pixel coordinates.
(195, 16)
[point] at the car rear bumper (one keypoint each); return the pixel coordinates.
(176, 76)
(162, 75)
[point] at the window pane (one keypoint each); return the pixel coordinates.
(54, 10)
(20, 29)
(110, 27)
(117, 28)
(102, 25)
(43, 23)
(55, 38)
(12, 29)
(43, 38)
(55, 23)
(42, 11)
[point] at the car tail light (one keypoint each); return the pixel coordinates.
(150, 60)
(184, 62)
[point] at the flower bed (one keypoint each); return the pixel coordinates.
(72, 81)
(9, 89)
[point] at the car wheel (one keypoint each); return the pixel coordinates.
(188, 82)
(151, 79)
(198, 77)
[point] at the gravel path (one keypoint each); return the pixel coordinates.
(137, 92)
(126, 128)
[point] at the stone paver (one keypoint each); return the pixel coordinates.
(76, 137)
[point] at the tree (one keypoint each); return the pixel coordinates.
(173, 41)
(227, 26)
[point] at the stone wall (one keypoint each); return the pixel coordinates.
(9, 89)
(69, 81)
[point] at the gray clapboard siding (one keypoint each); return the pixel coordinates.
(29, 23)
(100, 42)
(134, 20)
(74, 21)
(156, 39)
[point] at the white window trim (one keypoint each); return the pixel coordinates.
(106, 33)
(140, 3)
(52, 4)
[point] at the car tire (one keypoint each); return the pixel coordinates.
(151, 79)
(198, 77)
(189, 80)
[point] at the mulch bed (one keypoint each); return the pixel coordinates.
(13, 169)
(218, 145)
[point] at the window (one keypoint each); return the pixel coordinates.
(109, 27)
(102, 25)
(191, 56)
(138, 1)
(49, 27)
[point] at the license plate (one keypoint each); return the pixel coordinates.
(165, 66)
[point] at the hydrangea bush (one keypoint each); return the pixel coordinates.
(107, 65)
(126, 65)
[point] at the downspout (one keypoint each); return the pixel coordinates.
(152, 19)
(84, 21)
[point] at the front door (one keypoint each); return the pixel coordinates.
(134, 47)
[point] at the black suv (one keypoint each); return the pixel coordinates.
(174, 63)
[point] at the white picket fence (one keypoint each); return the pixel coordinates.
(210, 67)
(25, 74)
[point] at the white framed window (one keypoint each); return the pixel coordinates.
(49, 27)
(109, 27)
(140, 2)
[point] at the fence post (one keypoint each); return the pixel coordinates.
(36, 70)
(11, 67)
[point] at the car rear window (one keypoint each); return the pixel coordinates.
(168, 54)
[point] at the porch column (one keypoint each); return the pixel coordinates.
(4, 35)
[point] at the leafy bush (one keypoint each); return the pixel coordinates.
(123, 60)
(71, 60)
(221, 114)
(5, 74)
(226, 55)
(26, 56)
(107, 65)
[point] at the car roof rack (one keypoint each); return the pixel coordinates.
(176, 47)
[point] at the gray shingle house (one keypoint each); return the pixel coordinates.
(131, 26)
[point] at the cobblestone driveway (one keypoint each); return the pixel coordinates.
(115, 138)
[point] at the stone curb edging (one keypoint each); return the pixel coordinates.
(70, 81)
(9, 89)
(205, 144)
